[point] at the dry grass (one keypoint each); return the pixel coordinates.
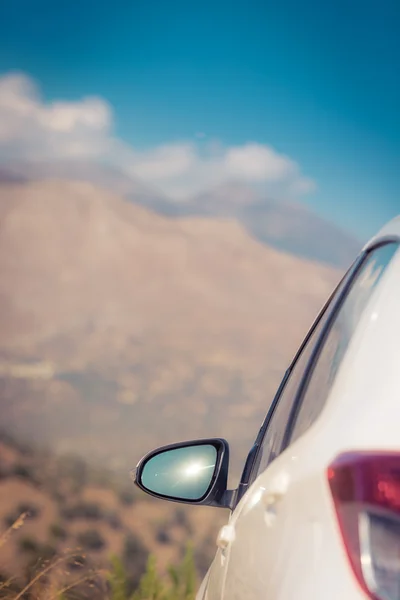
(14, 527)
(52, 579)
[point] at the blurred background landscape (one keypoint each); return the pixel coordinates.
(178, 198)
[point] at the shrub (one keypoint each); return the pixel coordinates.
(181, 584)
(82, 510)
(113, 520)
(183, 578)
(29, 510)
(21, 470)
(150, 586)
(182, 520)
(9, 520)
(134, 557)
(58, 532)
(163, 536)
(204, 554)
(58, 496)
(28, 544)
(75, 469)
(118, 580)
(32, 511)
(126, 497)
(91, 539)
(9, 588)
(134, 548)
(46, 552)
(78, 561)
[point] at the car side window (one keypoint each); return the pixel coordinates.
(338, 338)
(331, 355)
(273, 438)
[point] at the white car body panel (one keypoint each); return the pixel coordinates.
(286, 543)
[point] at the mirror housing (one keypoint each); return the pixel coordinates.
(216, 493)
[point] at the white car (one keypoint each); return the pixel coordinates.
(316, 515)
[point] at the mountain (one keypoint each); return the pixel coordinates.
(10, 177)
(121, 329)
(103, 175)
(286, 226)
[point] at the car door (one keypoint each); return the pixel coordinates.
(246, 572)
(262, 556)
(264, 450)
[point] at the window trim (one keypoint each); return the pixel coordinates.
(336, 303)
(247, 474)
(309, 370)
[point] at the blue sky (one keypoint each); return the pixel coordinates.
(318, 82)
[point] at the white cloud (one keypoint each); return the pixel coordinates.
(32, 129)
(165, 162)
(256, 162)
(302, 185)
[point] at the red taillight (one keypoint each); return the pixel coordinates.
(366, 492)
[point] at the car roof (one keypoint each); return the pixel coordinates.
(390, 229)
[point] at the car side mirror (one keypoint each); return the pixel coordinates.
(194, 472)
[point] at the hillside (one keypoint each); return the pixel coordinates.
(290, 227)
(79, 517)
(116, 321)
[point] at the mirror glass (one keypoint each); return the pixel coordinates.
(181, 473)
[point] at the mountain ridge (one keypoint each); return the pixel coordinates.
(291, 227)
